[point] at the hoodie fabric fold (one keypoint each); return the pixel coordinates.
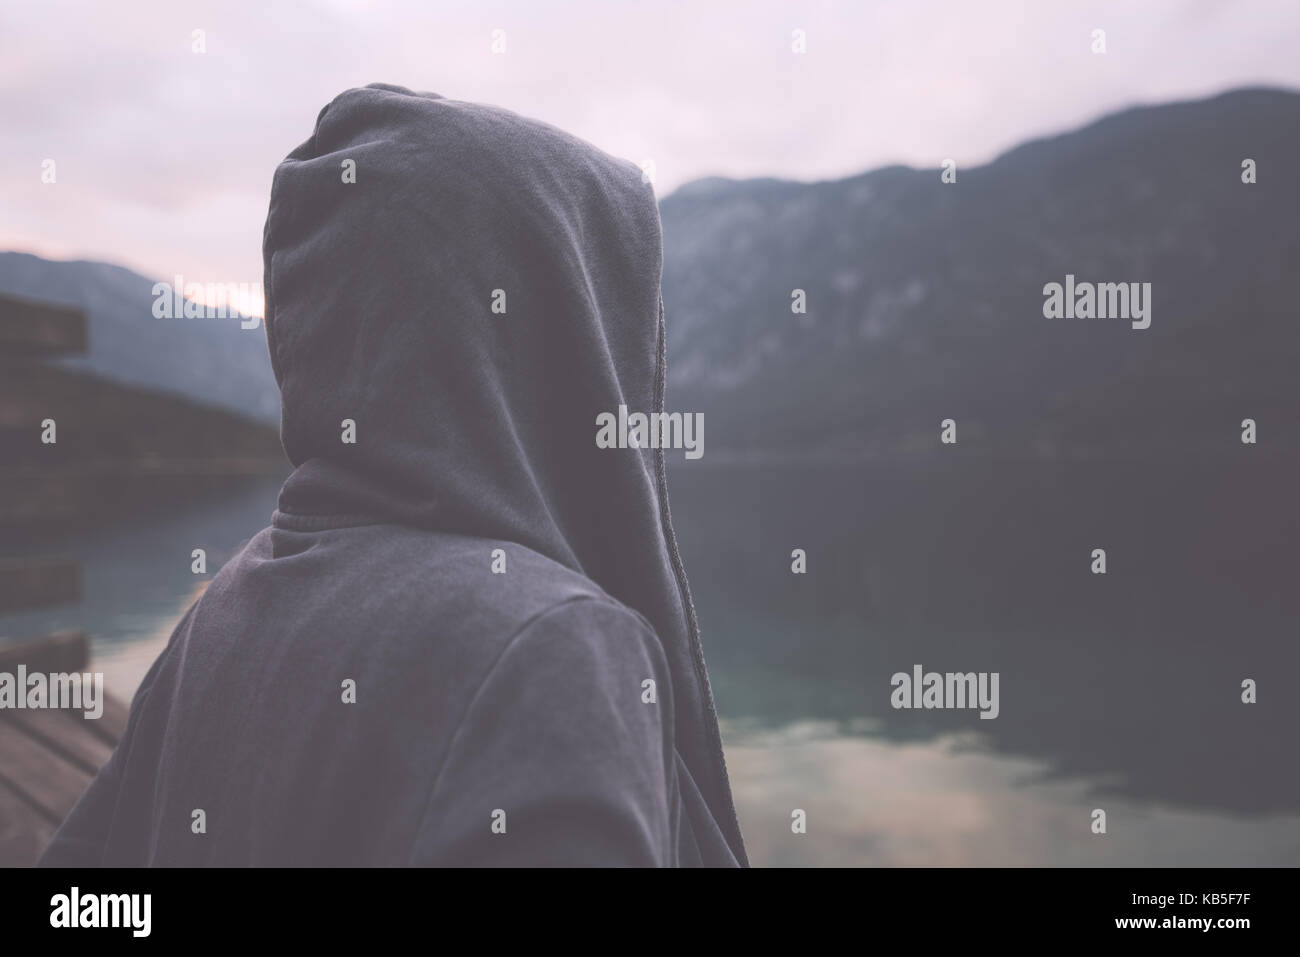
(454, 295)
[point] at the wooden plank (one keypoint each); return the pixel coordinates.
(48, 756)
(66, 733)
(24, 832)
(66, 651)
(48, 782)
(60, 651)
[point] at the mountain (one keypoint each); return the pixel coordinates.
(212, 361)
(925, 300)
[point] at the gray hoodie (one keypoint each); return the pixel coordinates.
(466, 637)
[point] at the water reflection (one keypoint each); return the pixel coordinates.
(1119, 691)
(948, 802)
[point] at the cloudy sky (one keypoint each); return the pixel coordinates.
(163, 156)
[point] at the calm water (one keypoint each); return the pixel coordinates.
(1119, 692)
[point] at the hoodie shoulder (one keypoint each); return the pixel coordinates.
(415, 584)
(578, 708)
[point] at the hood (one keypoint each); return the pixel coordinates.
(473, 289)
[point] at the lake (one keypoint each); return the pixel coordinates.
(1118, 691)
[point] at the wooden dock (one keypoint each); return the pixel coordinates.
(93, 468)
(48, 757)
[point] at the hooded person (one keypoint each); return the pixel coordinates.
(466, 637)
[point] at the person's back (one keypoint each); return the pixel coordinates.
(466, 637)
